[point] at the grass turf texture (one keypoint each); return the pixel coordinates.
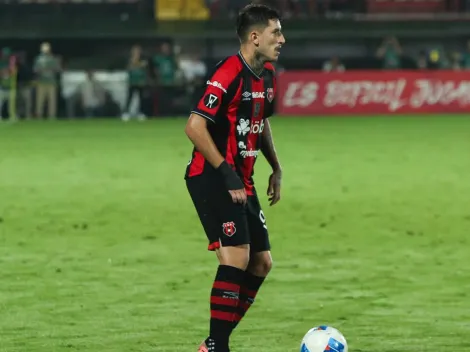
(101, 249)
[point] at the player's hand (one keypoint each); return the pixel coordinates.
(238, 196)
(233, 183)
(274, 188)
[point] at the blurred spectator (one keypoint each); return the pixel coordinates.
(455, 60)
(165, 65)
(46, 68)
(390, 53)
(165, 70)
(422, 60)
(194, 71)
(4, 78)
(466, 57)
(25, 80)
(138, 80)
(333, 65)
(92, 96)
(438, 59)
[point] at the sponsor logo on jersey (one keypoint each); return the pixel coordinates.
(246, 153)
(255, 95)
(244, 126)
(217, 85)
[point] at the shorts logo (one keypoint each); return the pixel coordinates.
(211, 101)
(270, 94)
(229, 228)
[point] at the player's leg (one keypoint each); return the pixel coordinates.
(40, 96)
(140, 113)
(52, 101)
(257, 271)
(126, 115)
(226, 227)
(3, 97)
(260, 262)
(225, 292)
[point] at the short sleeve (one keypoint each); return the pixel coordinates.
(216, 96)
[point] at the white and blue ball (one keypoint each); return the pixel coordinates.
(324, 339)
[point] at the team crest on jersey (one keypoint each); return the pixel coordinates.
(229, 228)
(270, 94)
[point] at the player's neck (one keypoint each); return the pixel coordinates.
(255, 62)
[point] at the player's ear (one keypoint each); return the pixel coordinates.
(254, 36)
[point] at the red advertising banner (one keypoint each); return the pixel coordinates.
(373, 92)
(403, 6)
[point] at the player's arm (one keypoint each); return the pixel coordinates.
(196, 130)
(269, 152)
(267, 147)
(208, 110)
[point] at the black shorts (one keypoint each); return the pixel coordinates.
(227, 223)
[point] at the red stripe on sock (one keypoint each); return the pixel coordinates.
(249, 293)
(224, 301)
(217, 314)
(227, 286)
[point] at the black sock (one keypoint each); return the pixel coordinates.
(248, 291)
(224, 302)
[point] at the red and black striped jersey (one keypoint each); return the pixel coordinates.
(236, 101)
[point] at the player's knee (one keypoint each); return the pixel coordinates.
(237, 256)
(261, 264)
(265, 266)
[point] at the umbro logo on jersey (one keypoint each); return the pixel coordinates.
(211, 101)
(255, 95)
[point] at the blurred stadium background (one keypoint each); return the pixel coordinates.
(100, 247)
(176, 42)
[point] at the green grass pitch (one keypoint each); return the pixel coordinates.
(101, 249)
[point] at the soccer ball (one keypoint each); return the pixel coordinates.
(324, 339)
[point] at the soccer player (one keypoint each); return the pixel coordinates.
(229, 127)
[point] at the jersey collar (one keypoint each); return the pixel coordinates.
(248, 66)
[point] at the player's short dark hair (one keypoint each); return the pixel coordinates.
(254, 15)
